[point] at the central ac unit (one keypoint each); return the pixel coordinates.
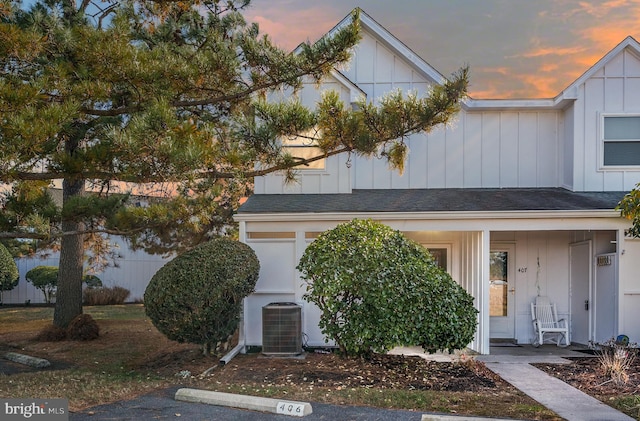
(282, 329)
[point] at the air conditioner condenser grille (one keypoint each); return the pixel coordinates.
(282, 329)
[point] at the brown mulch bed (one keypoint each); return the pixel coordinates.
(587, 375)
(381, 371)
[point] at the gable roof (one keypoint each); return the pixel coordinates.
(393, 43)
(433, 200)
(563, 99)
(628, 43)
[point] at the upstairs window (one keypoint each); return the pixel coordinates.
(621, 139)
(304, 147)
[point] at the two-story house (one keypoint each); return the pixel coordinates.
(515, 199)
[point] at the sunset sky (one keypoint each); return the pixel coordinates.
(515, 48)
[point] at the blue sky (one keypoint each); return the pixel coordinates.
(516, 48)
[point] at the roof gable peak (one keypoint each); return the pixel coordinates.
(388, 39)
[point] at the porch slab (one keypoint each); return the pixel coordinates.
(525, 354)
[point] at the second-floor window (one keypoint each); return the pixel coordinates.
(621, 140)
(304, 147)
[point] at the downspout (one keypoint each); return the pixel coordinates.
(241, 347)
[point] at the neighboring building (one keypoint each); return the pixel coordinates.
(516, 198)
(130, 269)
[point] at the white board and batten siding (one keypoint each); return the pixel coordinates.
(612, 89)
(518, 148)
(479, 150)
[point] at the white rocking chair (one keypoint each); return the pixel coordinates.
(545, 320)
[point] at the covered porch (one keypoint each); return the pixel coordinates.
(553, 251)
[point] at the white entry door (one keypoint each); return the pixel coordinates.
(580, 287)
(502, 292)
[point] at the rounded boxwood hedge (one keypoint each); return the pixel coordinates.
(377, 289)
(197, 296)
(45, 278)
(9, 275)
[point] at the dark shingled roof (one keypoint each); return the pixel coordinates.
(433, 200)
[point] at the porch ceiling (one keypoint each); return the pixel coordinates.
(433, 200)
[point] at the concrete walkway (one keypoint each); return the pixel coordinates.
(513, 365)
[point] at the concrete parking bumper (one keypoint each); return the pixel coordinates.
(254, 403)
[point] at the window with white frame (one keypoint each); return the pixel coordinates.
(441, 254)
(621, 140)
(304, 147)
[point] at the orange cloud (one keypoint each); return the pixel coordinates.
(603, 9)
(552, 51)
(549, 67)
(279, 27)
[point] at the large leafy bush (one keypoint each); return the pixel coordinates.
(197, 296)
(9, 275)
(377, 290)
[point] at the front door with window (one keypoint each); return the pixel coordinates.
(502, 293)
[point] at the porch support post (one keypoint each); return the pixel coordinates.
(242, 237)
(483, 293)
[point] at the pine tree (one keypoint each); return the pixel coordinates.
(166, 100)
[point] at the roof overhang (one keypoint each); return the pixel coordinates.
(602, 220)
(339, 216)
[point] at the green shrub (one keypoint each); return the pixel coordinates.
(104, 296)
(377, 289)
(45, 278)
(9, 275)
(197, 296)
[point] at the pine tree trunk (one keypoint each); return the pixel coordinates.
(69, 292)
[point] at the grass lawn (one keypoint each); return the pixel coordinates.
(131, 358)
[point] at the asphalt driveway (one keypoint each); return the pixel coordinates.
(161, 405)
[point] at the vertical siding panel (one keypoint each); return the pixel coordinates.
(382, 174)
(594, 102)
(420, 86)
(632, 96)
(436, 159)
(473, 150)
(366, 53)
(615, 66)
(631, 64)
(416, 172)
(527, 148)
(363, 173)
(614, 94)
(578, 151)
(311, 184)
(384, 64)
(402, 73)
(454, 159)
(568, 158)
(380, 90)
(509, 149)
(547, 150)
(490, 150)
